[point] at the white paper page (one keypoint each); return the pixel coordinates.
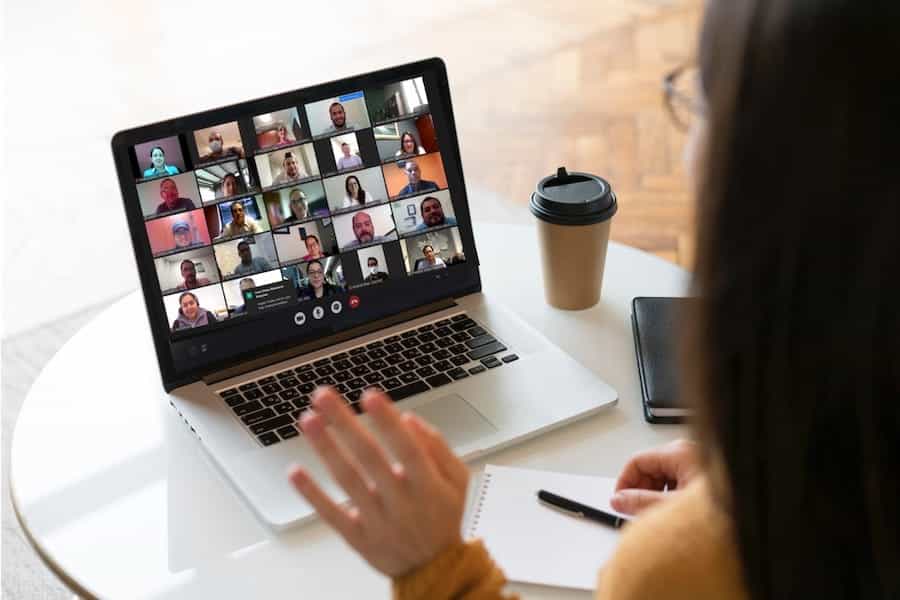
(536, 544)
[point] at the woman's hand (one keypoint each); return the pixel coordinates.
(648, 473)
(406, 497)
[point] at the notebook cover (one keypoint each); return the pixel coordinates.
(654, 321)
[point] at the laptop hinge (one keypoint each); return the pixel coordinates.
(312, 346)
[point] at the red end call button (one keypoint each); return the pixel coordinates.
(354, 301)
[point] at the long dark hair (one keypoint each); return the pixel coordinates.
(362, 193)
(794, 351)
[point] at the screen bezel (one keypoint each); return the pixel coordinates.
(465, 277)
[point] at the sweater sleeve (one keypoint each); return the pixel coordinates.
(463, 571)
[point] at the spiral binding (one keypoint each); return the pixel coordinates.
(478, 505)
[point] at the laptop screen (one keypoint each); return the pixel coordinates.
(294, 217)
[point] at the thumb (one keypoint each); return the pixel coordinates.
(633, 501)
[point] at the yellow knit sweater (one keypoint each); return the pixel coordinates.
(682, 549)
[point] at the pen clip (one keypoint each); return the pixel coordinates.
(573, 513)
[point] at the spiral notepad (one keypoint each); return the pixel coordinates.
(536, 544)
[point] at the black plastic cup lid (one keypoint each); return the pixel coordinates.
(573, 199)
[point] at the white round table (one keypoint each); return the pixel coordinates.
(118, 499)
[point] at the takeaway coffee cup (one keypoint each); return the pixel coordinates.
(574, 213)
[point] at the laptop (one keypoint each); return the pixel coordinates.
(323, 237)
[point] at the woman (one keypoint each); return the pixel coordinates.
(190, 314)
(158, 164)
(282, 134)
(318, 286)
(792, 356)
(408, 146)
(231, 186)
(356, 196)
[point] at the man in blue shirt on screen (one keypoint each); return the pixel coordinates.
(432, 214)
(416, 184)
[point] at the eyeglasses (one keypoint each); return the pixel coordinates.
(682, 96)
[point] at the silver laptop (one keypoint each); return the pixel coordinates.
(323, 237)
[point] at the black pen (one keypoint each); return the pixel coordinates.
(583, 511)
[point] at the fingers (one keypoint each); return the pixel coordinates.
(446, 461)
(404, 446)
(332, 513)
(649, 469)
(633, 501)
(350, 432)
(342, 468)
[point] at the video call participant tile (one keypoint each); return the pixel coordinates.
(178, 232)
(316, 279)
(396, 100)
(341, 114)
(218, 143)
(236, 218)
(306, 241)
(167, 195)
(235, 289)
(415, 176)
(244, 256)
(432, 250)
(187, 270)
(294, 164)
(160, 158)
(224, 180)
(416, 214)
(405, 139)
(198, 307)
(355, 190)
(345, 149)
(365, 227)
(295, 204)
(373, 265)
(278, 128)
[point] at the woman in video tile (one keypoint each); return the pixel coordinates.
(408, 146)
(158, 164)
(356, 196)
(318, 286)
(191, 314)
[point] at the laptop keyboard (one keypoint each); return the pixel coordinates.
(402, 365)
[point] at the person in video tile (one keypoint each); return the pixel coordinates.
(245, 284)
(374, 274)
(291, 170)
(416, 184)
(171, 201)
(189, 274)
(249, 263)
(432, 214)
(318, 287)
(217, 149)
(364, 231)
(299, 210)
(408, 146)
(348, 161)
(190, 313)
(181, 233)
(230, 186)
(282, 134)
(240, 224)
(338, 118)
(430, 261)
(355, 195)
(158, 164)
(313, 248)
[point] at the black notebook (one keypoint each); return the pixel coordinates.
(654, 321)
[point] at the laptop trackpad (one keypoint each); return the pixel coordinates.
(456, 419)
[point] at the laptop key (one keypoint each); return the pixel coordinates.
(445, 342)
(303, 369)
(409, 377)
(427, 337)
(391, 340)
(271, 388)
(234, 400)
(459, 317)
(425, 372)
(291, 381)
(306, 388)
(438, 380)
(491, 362)
(377, 365)
(412, 353)
(443, 365)
(359, 359)
(458, 373)
(271, 400)
(301, 402)
(354, 395)
(339, 356)
(459, 360)
(289, 394)
(391, 383)
(283, 374)
(463, 325)
(288, 432)
(481, 340)
(343, 376)
(374, 378)
(411, 389)
(360, 370)
(253, 394)
(342, 365)
(443, 331)
(486, 350)
(426, 327)
(477, 369)
(442, 323)
(326, 371)
(322, 362)
(458, 349)
(377, 353)
(258, 416)
(410, 342)
(407, 366)
(394, 347)
(247, 408)
(325, 381)
(425, 360)
(510, 358)
(428, 347)
(462, 336)
(248, 386)
(375, 344)
(342, 388)
(356, 351)
(356, 383)
(284, 407)
(392, 371)
(279, 421)
(230, 392)
(307, 376)
(267, 439)
(394, 359)
(476, 331)
(408, 334)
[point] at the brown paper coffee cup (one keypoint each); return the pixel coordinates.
(574, 216)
